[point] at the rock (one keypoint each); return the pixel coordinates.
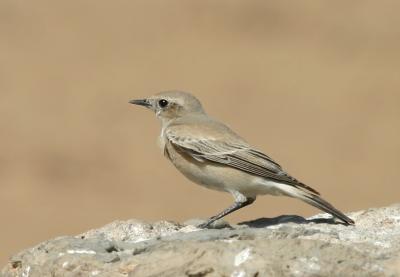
(282, 246)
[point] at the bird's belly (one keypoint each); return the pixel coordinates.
(201, 173)
(219, 177)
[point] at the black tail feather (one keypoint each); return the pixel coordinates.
(323, 205)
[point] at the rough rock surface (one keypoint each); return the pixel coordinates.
(282, 246)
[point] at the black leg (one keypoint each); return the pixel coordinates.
(236, 206)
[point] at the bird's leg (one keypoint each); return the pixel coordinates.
(240, 202)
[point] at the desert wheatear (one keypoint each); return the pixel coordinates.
(210, 154)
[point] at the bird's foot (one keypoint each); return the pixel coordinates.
(213, 224)
(206, 224)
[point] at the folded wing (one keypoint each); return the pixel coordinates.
(231, 151)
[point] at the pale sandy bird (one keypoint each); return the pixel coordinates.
(210, 154)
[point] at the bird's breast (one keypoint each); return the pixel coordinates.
(161, 142)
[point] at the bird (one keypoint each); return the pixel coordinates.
(211, 154)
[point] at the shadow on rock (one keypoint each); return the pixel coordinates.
(265, 222)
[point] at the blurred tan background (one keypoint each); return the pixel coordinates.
(321, 76)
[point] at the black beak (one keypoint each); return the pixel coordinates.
(141, 102)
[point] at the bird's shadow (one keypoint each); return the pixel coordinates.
(265, 222)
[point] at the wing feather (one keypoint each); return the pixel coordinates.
(234, 153)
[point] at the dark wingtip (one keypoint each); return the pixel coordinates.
(308, 188)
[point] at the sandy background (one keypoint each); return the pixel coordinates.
(315, 84)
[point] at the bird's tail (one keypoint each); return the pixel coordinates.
(323, 205)
(318, 202)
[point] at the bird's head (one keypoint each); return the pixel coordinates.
(171, 104)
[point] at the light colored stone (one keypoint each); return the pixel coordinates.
(283, 246)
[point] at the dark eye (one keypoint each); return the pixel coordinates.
(163, 103)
